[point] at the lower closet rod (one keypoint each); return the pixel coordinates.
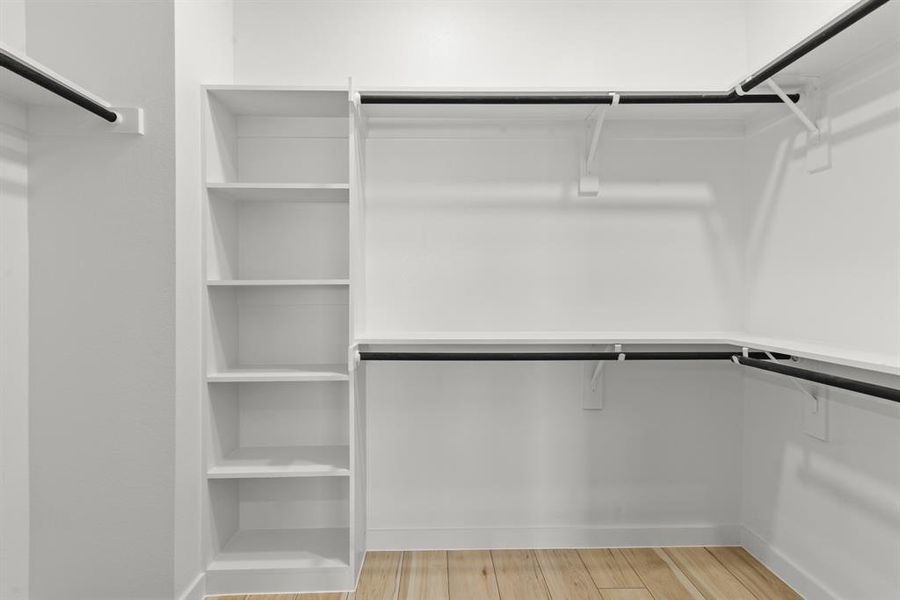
(845, 383)
(554, 356)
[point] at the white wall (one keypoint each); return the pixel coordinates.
(823, 253)
(203, 54)
(613, 44)
(468, 234)
(503, 455)
(824, 267)
(14, 509)
(824, 515)
(101, 212)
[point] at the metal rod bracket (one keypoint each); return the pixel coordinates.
(589, 182)
(811, 127)
(592, 394)
(818, 148)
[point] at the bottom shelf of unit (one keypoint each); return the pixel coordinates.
(284, 549)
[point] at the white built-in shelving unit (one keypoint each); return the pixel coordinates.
(280, 433)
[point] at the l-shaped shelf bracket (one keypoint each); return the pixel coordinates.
(815, 405)
(592, 393)
(818, 148)
(589, 182)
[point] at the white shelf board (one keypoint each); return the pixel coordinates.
(871, 361)
(20, 90)
(281, 192)
(545, 337)
(283, 461)
(286, 373)
(277, 282)
(284, 549)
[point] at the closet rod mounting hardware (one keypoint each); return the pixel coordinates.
(811, 127)
(589, 182)
(592, 392)
(859, 11)
(598, 370)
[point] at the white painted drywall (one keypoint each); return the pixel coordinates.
(203, 54)
(102, 219)
(503, 455)
(490, 235)
(613, 44)
(823, 262)
(823, 251)
(14, 487)
(824, 515)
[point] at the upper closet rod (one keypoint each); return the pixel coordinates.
(554, 356)
(653, 98)
(812, 42)
(845, 383)
(23, 69)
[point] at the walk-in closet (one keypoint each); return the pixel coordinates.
(450, 300)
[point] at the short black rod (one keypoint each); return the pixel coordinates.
(548, 356)
(859, 11)
(573, 99)
(28, 72)
(844, 383)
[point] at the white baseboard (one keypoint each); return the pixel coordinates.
(552, 537)
(795, 576)
(196, 589)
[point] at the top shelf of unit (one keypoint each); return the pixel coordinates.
(273, 101)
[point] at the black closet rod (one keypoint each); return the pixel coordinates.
(853, 385)
(552, 356)
(28, 72)
(626, 98)
(809, 44)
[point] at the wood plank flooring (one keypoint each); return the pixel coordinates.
(719, 573)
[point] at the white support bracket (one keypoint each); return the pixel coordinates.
(815, 405)
(818, 127)
(131, 120)
(589, 182)
(592, 392)
(64, 120)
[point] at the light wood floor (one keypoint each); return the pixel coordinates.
(628, 574)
